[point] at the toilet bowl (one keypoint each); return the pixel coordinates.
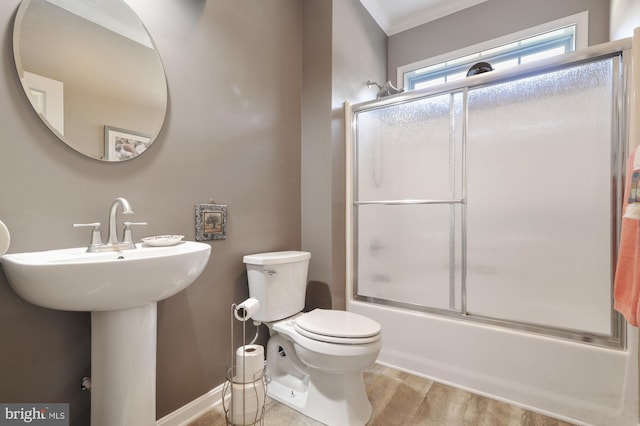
(321, 379)
(315, 360)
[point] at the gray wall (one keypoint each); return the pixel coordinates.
(316, 148)
(232, 134)
(486, 21)
(343, 47)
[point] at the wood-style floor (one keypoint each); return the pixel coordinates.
(401, 399)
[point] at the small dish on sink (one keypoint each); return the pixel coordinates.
(163, 240)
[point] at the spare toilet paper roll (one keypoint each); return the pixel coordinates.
(247, 401)
(246, 309)
(5, 238)
(249, 363)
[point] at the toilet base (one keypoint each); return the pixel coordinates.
(333, 399)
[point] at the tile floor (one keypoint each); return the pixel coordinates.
(405, 400)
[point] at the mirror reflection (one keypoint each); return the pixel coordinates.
(92, 73)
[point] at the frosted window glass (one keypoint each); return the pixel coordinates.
(404, 151)
(405, 254)
(539, 199)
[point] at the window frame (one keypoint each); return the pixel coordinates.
(579, 20)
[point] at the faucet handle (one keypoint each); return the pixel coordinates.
(127, 237)
(96, 234)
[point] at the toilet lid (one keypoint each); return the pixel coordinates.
(337, 327)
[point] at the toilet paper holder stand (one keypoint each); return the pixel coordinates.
(243, 398)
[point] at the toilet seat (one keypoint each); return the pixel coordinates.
(339, 327)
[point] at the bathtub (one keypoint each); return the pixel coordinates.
(575, 382)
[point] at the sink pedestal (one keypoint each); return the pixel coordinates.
(123, 366)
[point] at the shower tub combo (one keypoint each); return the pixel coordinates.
(482, 226)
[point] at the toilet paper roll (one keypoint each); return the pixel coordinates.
(246, 309)
(247, 402)
(5, 238)
(249, 363)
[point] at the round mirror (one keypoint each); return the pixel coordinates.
(92, 73)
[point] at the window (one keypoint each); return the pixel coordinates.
(554, 38)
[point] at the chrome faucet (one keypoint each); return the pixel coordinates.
(112, 236)
(112, 243)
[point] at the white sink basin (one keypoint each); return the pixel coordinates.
(74, 280)
(121, 289)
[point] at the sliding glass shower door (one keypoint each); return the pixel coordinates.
(495, 202)
(408, 180)
(539, 197)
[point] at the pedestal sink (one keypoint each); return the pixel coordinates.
(121, 290)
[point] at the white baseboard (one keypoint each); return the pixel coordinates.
(194, 409)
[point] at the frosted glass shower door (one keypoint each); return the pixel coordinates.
(539, 200)
(407, 158)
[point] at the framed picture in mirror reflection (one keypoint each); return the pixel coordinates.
(121, 144)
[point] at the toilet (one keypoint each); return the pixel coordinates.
(315, 360)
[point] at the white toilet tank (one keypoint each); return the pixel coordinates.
(279, 281)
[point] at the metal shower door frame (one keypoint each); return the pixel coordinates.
(619, 52)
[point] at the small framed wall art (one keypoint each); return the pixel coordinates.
(211, 222)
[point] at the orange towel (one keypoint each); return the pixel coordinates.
(626, 292)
